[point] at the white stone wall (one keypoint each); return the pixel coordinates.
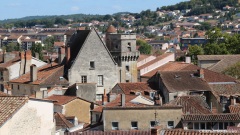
(146, 60)
(34, 118)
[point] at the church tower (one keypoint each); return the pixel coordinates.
(124, 52)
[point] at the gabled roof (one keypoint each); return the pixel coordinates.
(61, 121)
(224, 61)
(183, 81)
(79, 40)
(9, 105)
(47, 74)
(222, 117)
(192, 104)
(62, 99)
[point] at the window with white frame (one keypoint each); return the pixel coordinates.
(84, 79)
(115, 126)
(100, 80)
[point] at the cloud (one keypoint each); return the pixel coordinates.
(74, 8)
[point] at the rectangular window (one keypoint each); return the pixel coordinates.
(134, 125)
(92, 65)
(196, 126)
(18, 87)
(114, 125)
(100, 80)
(127, 80)
(170, 124)
(99, 97)
(202, 125)
(129, 49)
(127, 68)
(129, 43)
(152, 124)
(1, 75)
(220, 125)
(84, 79)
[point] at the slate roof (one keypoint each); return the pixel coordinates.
(193, 132)
(9, 105)
(226, 90)
(61, 121)
(192, 104)
(224, 61)
(222, 117)
(183, 81)
(48, 74)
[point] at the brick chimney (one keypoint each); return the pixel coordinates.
(61, 54)
(201, 73)
(105, 98)
(28, 55)
(33, 73)
(22, 64)
(122, 100)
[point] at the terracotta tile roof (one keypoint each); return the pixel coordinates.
(11, 62)
(14, 36)
(30, 40)
(3, 94)
(142, 57)
(192, 104)
(111, 29)
(224, 61)
(224, 117)
(226, 90)
(183, 81)
(115, 132)
(47, 74)
(194, 132)
(61, 99)
(234, 108)
(10, 105)
(117, 102)
(160, 57)
(209, 76)
(127, 88)
(61, 121)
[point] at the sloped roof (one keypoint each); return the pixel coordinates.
(192, 104)
(62, 99)
(160, 57)
(222, 117)
(224, 61)
(226, 90)
(3, 94)
(194, 132)
(134, 87)
(10, 105)
(59, 44)
(47, 74)
(234, 108)
(183, 81)
(111, 29)
(142, 57)
(61, 121)
(115, 132)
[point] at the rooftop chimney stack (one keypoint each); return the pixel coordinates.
(201, 73)
(33, 73)
(122, 100)
(67, 54)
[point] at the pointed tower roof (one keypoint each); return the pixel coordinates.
(111, 29)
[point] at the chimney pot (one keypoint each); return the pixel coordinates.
(33, 72)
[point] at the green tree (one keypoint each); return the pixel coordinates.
(49, 43)
(144, 47)
(13, 47)
(37, 48)
(193, 51)
(233, 71)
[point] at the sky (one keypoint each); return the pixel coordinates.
(11, 9)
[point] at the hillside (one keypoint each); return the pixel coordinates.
(200, 6)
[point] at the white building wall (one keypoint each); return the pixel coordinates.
(33, 118)
(146, 60)
(158, 64)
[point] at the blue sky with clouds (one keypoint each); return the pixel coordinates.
(21, 8)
